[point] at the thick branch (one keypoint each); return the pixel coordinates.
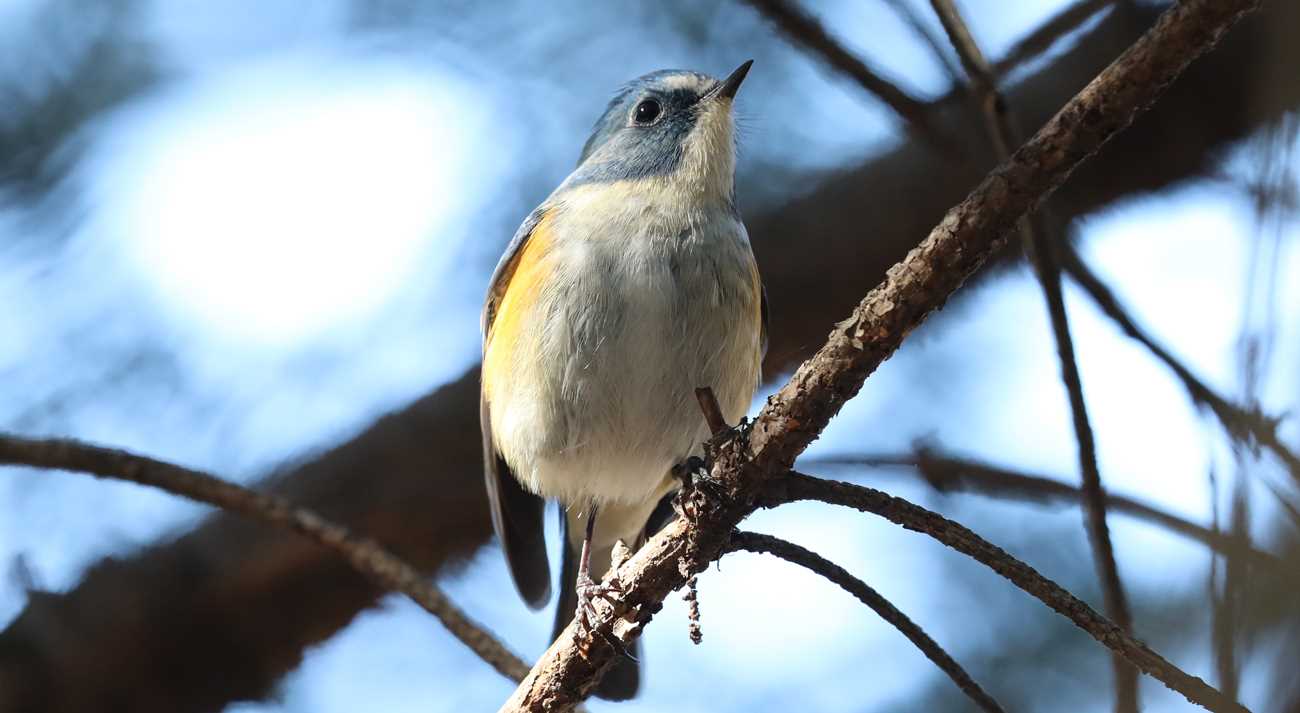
(797, 413)
(365, 555)
(790, 552)
(913, 517)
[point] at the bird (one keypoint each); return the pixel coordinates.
(630, 286)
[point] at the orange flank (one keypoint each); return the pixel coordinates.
(519, 288)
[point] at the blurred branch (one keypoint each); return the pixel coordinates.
(745, 460)
(367, 556)
(798, 486)
(1049, 33)
(106, 71)
(805, 30)
(247, 601)
(1226, 605)
(790, 552)
(1251, 427)
(946, 473)
(1042, 254)
(905, 12)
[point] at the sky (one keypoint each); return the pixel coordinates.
(296, 228)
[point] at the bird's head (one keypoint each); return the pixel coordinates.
(670, 127)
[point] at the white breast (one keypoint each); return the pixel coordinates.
(643, 306)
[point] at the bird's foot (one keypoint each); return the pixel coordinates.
(697, 487)
(589, 593)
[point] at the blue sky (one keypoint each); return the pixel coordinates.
(291, 235)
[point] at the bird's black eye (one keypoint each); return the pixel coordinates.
(646, 112)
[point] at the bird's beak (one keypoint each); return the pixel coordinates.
(731, 84)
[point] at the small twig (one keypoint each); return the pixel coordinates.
(947, 473)
(790, 552)
(912, 19)
(692, 597)
(1049, 33)
(804, 29)
(1227, 604)
(1041, 251)
(797, 486)
(712, 411)
(365, 555)
(1247, 425)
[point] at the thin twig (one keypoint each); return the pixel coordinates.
(912, 19)
(1227, 604)
(796, 414)
(797, 486)
(365, 555)
(805, 30)
(946, 473)
(790, 552)
(1249, 426)
(1049, 33)
(1042, 254)
(712, 411)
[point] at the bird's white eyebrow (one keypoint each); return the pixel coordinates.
(683, 81)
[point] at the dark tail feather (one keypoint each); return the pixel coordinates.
(623, 679)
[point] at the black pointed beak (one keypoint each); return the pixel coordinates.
(731, 84)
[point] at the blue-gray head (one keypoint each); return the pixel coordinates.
(671, 125)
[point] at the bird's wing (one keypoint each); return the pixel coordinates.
(516, 513)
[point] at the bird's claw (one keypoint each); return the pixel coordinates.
(696, 488)
(589, 592)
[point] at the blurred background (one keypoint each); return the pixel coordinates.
(253, 238)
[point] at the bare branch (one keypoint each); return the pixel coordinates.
(946, 473)
(912, 19)
(1249, 426)
(712, 411)
(798, 486)
(805, 30)
(1048, 33)
(795, 415)
(1041, 251)
(790, 552)
(367, 556)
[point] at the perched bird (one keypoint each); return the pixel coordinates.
(629, 287)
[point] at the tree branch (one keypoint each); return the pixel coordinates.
(1049, 33)
(790, 552)
(805, 30)
(795, 415)
(912, 19)
(1042, 255)
(946, 473)
(1250, 427)
(365, 555)
(913, 517)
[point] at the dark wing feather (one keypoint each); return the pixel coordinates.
(762, 312)
(516, 513)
